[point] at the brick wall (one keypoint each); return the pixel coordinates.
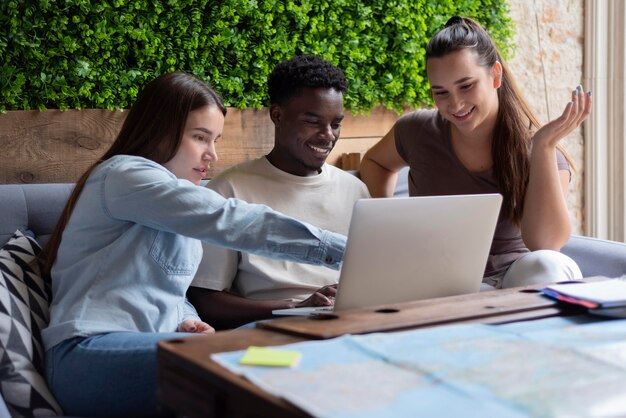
(548, 64)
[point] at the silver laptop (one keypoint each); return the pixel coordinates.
(410, 248)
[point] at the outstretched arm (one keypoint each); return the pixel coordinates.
(545, 222)
(225, 310)
(380, 166)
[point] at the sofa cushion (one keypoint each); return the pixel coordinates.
(597, 257)
(23, 313)
(36, 207)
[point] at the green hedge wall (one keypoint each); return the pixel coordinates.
(72, 54)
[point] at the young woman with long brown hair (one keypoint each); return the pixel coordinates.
(128, 245)
(484, 138)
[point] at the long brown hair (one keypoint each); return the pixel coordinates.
(153, 129)
(516, 121)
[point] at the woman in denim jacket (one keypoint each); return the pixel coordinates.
(127, 246)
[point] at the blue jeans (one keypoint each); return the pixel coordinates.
(107, 375)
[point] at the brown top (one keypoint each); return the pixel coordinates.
(423, 140)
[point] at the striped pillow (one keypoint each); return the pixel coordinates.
(24, 300)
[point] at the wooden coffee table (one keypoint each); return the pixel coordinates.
(195, 386)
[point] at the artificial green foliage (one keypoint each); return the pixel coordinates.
(72, 54)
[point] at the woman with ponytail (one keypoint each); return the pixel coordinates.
(484, 138)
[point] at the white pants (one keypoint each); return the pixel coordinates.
(536, 267)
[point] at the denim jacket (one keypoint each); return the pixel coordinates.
(131, 248)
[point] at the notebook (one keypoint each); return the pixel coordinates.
(410, 248)
(601, 294)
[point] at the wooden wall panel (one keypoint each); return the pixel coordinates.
(55, 146)
(248, 134)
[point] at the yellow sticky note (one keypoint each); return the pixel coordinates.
(261, 356)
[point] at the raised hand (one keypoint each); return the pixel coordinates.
(574, 114)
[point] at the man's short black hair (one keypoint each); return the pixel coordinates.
(302, 71)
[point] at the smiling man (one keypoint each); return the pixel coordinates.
(306, 107)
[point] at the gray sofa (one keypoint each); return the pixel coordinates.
(36, 207)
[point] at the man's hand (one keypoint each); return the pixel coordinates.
(324, 296)
(196, 327)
